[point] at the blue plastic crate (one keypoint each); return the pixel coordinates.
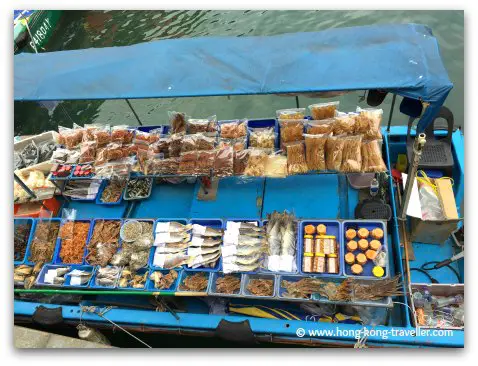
(213, 285)
(40, 281)
(368, 266)
(214, 224)
(264, 123)
(150, 128)
(185, 274)
(297, 260)
(173, 287)
(281, 290)
(92, 229)
(57, 258)
(259, 223)
(103, 185)
(139, 198)
(151, 252)
(140, 271)
(333, 228)
(93, 199)
(153, 249)
(28, 251)
(246, 278)
(94, 285)
(66, 177)
(29, 238)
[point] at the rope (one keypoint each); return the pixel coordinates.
(31, 37)
(424, 179)
(92, 309)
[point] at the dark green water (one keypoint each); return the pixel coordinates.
(86, 29)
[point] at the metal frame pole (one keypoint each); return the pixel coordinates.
(134, 112)
(391, 112)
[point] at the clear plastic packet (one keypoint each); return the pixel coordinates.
(202, 125)
(238, 144)
(291, 131)
(72, 157)
(240, 161)
(256, 164)
(88, 131)
(114, 151)
(161, 146)
(162, 166)
(187, 163)
(233, 129)
(114, 169)
(122, 134)
(177, 121)
(320, 127)
(70, 137)
(60, 156)
(344, 124)
(296, 163)
(276, 166)
(197, 142)
(368, 123)
(175, 144)
(372, 160)
(333, 152)
(87, 152)
(205, 162)
(321, 111)
(262, 138)
(291, 113)
(352, 155)
(101, 156)
(142, 138)
(224, 162)
(129, 150)
(102, 135)
(315, 151)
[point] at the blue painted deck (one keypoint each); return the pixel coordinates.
(325, 196)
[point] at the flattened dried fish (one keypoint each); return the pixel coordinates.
(172, 227)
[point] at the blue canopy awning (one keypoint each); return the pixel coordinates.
(402, 59)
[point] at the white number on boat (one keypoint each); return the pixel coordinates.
(40, 34)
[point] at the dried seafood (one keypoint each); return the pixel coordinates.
(372, 160)
(44, 242)
(234, 130)
(323, 110)
(104, 242)
(177, 121)
(229, 284)
(20, 240)
(351, 155)
(291, 131)
(256, 164)
(333, 152)
(73, 235)
(195, 282)
(261, 287)
(224, 162)
(164, 281)
(296, 163)
(315, 151)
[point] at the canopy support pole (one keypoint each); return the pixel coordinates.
(391, 112)
(134, 112)
(297, 101)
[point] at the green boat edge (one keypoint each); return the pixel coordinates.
(42, 24)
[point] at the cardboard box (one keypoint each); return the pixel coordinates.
(432, 231)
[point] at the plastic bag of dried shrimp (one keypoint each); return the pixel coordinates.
(372, 160)
(368, 123)
(256, 164)
(291, 113)
(202, 125)
(315, 151)
(291, 130)
(233, 129)
(333, 152)
(296, 162)
(351, 154)
(320, 127)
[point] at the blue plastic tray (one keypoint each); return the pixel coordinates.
(245, 282)
(333, 228)
(212, 288)
(93, 284)
(367, 268)
(264, 123)
(31, 223)
(140, 271)
(139, 198)
(86, 268)
(28, 251)
(151, 252)
(173, 287)
(185, 274)
(297, 261)
(281, 290)
(103, 185)
(215, 224)
(72, 177)
(57, 259)
(153, 249)
(92, 229)
(40, 281)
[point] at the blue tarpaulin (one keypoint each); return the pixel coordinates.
(402, 59)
